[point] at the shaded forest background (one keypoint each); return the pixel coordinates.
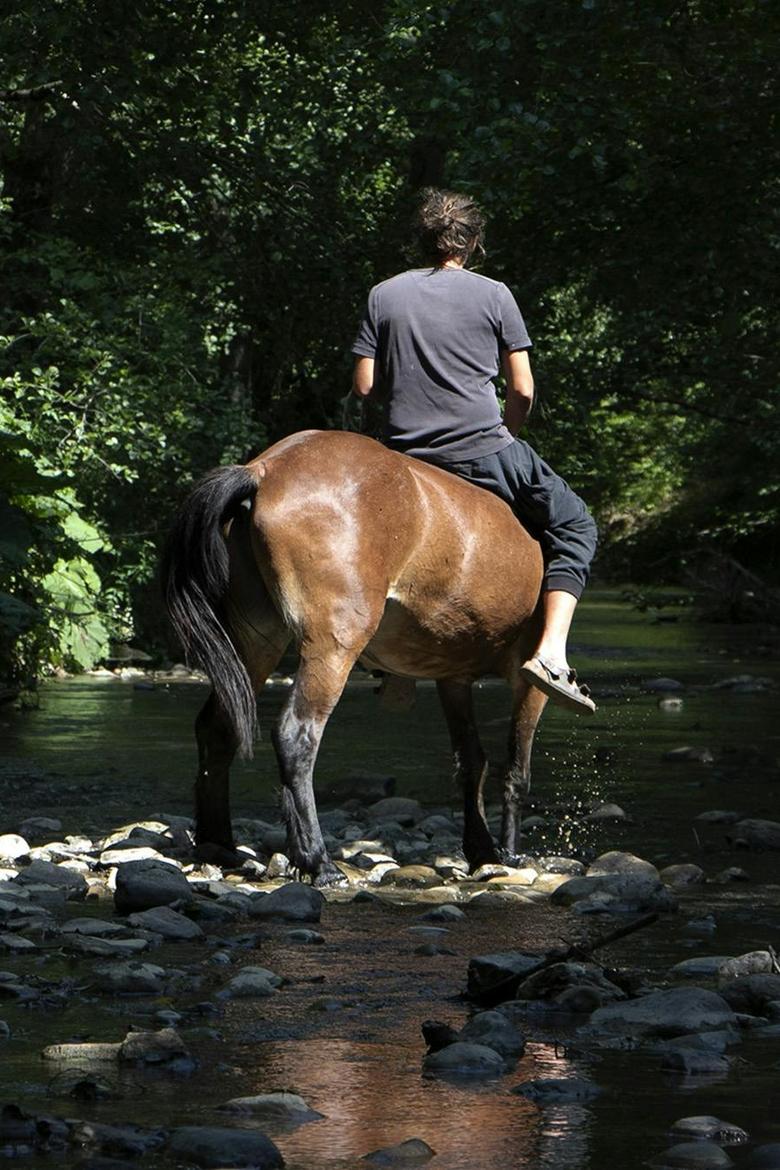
(196, 197)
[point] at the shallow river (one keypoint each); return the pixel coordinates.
(346, 1033)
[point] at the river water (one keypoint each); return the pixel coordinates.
(345, 1033)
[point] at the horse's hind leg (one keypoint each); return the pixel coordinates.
(527, 706)
(217, 745)
(471, 768)
(318, 685)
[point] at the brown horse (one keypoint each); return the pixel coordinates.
(358, 554)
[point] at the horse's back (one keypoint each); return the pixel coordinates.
(430, 566)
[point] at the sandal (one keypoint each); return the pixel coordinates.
(559, 683)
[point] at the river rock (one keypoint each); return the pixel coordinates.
(213, 1146)
(706, 1128)
(143, 885)
(294, 902)
(170, 924)
(308, 937)
(105, 948)
(402, 809)
(12, 846)
(37, 830)
(660, 686)
(48, 874)
(485, 971)
(706, 965)
(129, 978)
(751, 993)
(755, 834)
(664, 1013)
(615, 892)
(557, 1090)
(700, 1155)
(617, 861)
(753, 963)
(464, 1060)
(560, 865)
(160, 1047)
(680, 876)
(495, 1031)
(82, 1053)
(96, 927)
(445, 913)
(252, 983)
(286, 1109)
(411, 877)
(118, 1141)
(690, 755)
(412, 1152)
(573, 986)
(606, 810)
(694, 1062)
(123, 854)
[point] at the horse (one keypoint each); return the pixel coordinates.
(358, 554)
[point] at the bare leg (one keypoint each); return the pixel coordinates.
(558, 607)
(470, 769)
(548, 668)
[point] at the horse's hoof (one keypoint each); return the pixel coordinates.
(330, 877)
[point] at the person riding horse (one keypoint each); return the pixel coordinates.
(428, 347)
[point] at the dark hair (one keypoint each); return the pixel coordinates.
(449, 226)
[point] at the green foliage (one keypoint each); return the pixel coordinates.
(191, 216)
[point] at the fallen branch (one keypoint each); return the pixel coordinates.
(32, 94)
(580, 952)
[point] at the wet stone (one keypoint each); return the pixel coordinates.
(12, 846)
(82, 1053)
(412, 1152)
(706, 965)
(294, 902)
(698, 1155)
(495, 1031)
(129, 978)
(411, 877)
(116, 1140)
(160, 1047)
(213, 1146)
(402, 809)
(756, 834)
(170, 924)
(143, 885)
(105, 948)
(252, 983)
(618, 862)
(607, 811)
(445, 913)
(49, 874)
(485, 971)
(464, 1060)
(680, 876)
(706, 1128)
(39, 829)
(308, 937)
(557, 1090)
(96, 927)
(753, 963)
(664, 1013)
(751, 993)
(694, 1062)
(286, 1109)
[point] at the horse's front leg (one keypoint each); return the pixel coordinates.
(318, 686)
(471, 768)
(527, 706)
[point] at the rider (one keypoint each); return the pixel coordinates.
(430, 344)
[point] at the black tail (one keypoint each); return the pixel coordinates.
(195, 574)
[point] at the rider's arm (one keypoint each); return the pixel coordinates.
(363, 377)
(519, 388)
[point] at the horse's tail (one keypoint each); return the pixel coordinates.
(195, 578)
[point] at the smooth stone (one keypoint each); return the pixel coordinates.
(12, 846)
(732, 873)
(169, 923)
(607, 811)
(560, 865)
(106, 948)
(497, 899)
(485, 971)
(670, 704)
(706, 1128)
(123, 1141)
(557, 1090)
(718, 816)
(153, 1047)
(411, 877)
(129, 978)
(751, 993)
(308, 937)
(143, 885)
(695, 1062)
(574, 986)
(516, 877)
(756, 834)
(495, 1031)
(48, 874)
(618, 892)
(753, 963)
(548, 883)
(706, 965)
(293, 902)
(664, 1013)
(690, 755)
(123, 856)
(412, 1152)
(698, 1155)
(618, 862)
(95, 927)
(214, 1146)
(252, 983)
(464, 1060)
(88, 1053)
(278, 866)
(397, 808)
(16, 944)
(282, 1108)
(491, 870)
(662, 685)
(680, 876)
(445, 913)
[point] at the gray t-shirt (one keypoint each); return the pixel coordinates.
(437, 335)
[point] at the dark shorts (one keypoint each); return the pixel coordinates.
(545, 504)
